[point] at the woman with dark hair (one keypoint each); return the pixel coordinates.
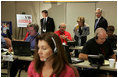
(112, 37)
(49, 58)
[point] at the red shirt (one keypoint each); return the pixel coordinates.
(64, 33)
(67, 72)
(27, 34)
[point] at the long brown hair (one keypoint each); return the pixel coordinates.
(59, 59)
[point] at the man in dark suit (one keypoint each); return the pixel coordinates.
(100, 21)
(47, 23)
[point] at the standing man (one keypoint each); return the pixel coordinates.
(47, 23)
(64, 35)
(100, 21)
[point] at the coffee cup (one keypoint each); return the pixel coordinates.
(111, 62)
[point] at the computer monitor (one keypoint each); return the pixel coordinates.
(21, 48)
(71, 43)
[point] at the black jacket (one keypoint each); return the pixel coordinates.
(50, 25)
(102, 23)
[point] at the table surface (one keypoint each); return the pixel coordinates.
(76, 48)
(86, 64)
(26, 58)
(80, 48)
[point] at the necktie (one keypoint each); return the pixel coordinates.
(96, 23)
(44, 21)
(44, 25)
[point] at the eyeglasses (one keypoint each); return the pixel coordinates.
(30, 30)
(62, 27)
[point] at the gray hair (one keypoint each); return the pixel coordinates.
(98, 30)
(99, 9)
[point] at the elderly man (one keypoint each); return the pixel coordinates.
(97, 45)
(100, 21)
(33, 33)
(64, 35)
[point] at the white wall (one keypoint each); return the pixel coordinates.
(55, 10)
(71, 10)
(74, 10)
(109, 12)
(61, 12)
(9, 9)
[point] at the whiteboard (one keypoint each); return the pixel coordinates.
(23, 20)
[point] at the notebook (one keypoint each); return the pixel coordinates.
(21, 48)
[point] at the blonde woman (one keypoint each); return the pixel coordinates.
(81, 30)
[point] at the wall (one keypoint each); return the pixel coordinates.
(8, 13)
(69, 11)
(109, 12)
(82, 9)
(61, 12)
(11, 8)
(55, 10)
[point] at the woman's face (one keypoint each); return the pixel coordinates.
(80, 23)
(44, 50)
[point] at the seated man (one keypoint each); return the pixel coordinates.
(17, 64)
(97, 45)
(64, 35)
(33, 33)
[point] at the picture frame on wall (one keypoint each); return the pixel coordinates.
(6, 28)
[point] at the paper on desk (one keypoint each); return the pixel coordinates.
(75, 59)
(106, 62)
(4, 49)
(7, 57)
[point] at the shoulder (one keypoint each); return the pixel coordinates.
(31, 70)
(56, 32)
(31, 64)
(102, 18)
(28, 38)
(67, 72)
(76, 25)
(31, 67)
(50, 18)
(66, 32)
(91, 41)
(86, 25)
(42, 19)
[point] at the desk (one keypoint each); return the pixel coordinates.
(86, 64)
(80, 48)
(25, 58)
(76, 48)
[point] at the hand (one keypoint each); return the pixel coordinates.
(63, 36)
(10, 49)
